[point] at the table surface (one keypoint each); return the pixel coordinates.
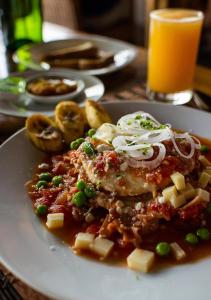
(122, 85)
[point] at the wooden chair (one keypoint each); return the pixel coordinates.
(116, 22)
(61, 12)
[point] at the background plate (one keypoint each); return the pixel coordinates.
(124, 53)
(25, 243)
(15, 105)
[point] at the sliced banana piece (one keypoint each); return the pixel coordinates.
(84, 115)
(96, 114)
(43, 133)
(70, 120)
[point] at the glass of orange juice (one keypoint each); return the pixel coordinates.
(174, 37)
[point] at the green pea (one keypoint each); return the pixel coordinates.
(41, 210)
(91, 132)
(88, 148)
(41, 184)
(203, 234)
(89, 191)
(80, 141)
(74, 145)
(204, 149)
(163, 249)
(45, 176)
(209, 208)
(81, 185)
(191, 238)
(79, 199)
(57, 180)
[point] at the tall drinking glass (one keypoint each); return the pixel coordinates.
(174, 37)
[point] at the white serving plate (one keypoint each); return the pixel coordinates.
(24, 106)
(25, 242)
(54, 99)
(124, 53)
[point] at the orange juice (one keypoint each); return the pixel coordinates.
(173, 45)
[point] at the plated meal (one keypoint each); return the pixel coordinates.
(28, 103)
(135, 192)
(91, 54)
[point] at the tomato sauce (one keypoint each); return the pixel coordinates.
(168, 232)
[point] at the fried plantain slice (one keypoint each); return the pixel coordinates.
(70, 120)
(96, 114)
(43, 133)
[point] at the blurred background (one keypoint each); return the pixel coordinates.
(126, 20)
(123, 19)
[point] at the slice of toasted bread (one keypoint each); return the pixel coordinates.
(80, 50)
(104, 59)
(72, 63)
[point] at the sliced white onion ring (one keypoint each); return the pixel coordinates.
(151, 164)
(137, 142)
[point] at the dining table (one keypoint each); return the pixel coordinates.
(125, 84)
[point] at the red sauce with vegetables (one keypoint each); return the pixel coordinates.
(173, 226)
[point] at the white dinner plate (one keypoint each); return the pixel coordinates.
(124, 53)
(25, 244)
(23, 106)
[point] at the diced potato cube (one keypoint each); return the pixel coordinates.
(141, 260)
(203, 194)
(208, 171)
(204, 179)
(161, 199)
(178, 201)
(55, 220)
(205, 162)
(83, 240)
(178, 180)
(189, 192)
(169, 192)
(177, 251)
(101, 246)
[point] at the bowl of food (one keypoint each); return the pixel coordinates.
(51, 87)
(122, 185)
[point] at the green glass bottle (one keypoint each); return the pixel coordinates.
(21, 22)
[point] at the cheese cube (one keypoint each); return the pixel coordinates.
(141, 260)
(177, 251)
(203, 194)
(178, 201)
(55, 220)
(83, 240)
(101, 246)
(189, 192)
(178, 180)
(205, 162)
(204, 179)
(169, 192)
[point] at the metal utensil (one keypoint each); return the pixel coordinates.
(200, 103)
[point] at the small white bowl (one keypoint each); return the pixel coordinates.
(57, 98)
